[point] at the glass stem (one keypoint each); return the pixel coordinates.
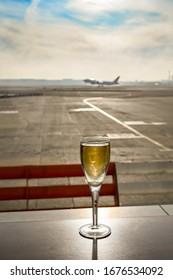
(95, 197)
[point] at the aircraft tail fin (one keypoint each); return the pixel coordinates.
(116, 80)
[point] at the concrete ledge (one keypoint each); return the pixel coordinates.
(145, 187)
(129, 168)
(145, 177)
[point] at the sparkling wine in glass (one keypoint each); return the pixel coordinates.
(95, 157)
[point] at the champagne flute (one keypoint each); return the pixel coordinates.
(95, 157)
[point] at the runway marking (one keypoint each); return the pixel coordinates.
(158, 123)
(82, 109)
(8, 112)
(54, 133)
(123, 136)
(87, 101)
(143, 123)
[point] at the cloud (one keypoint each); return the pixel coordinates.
(31, 12)
(92, 8)
(49, 44)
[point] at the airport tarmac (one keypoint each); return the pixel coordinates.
(45, 125)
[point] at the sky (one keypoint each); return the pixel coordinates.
(80, 39)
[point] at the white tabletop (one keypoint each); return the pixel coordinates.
(140, 232)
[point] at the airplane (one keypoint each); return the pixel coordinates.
(96, 82)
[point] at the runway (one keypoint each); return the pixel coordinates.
(45, 125)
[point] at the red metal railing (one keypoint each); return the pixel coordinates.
(28, 192)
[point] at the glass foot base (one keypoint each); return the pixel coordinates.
(93, 232)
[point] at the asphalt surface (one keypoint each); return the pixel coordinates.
(45, 125)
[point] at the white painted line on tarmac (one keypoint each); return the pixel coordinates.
(8, 112)
(123, 136)
(135, 123)
(143, 123)
(82, 109)
(54, 133)
(87, 101)
(158, 123)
